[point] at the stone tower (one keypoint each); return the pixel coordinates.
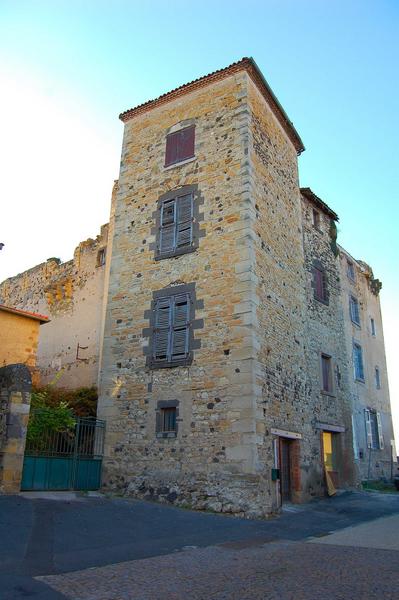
(204, 378)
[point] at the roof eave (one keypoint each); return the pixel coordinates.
(247, 64)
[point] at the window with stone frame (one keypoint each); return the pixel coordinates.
(350, 269)
(172, 324)
(180, 145)
(354, 310)
(358, 362)
(372, 327)
(167, 418)
(177, 222)
(327, 385)
(320, 283)
(377, 378)
(316, 218)
(375, 438)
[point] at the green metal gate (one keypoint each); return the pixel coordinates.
(66, 460)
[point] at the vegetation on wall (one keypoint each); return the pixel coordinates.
(54, 410)
(81, 401)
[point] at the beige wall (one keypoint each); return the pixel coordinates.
(364, 394)
(18, 339)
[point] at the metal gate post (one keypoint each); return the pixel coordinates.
(75, 454)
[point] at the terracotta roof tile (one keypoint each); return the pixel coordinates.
(245, 64)
(25, 313)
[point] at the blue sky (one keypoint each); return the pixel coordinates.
(68, 69)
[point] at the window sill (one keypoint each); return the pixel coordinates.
(329, 394)
(166, 435)
(357, 380)
(180, 163)
(355, 324)
(321, 301)
(177, 253)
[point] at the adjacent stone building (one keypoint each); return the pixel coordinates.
(219, 319)
(373, 438)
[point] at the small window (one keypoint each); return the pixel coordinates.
(101, 256)
(372, 327)
(377, 378)
(358, 362)
(316, 218)
(319, 284)
(166, 418)
(354, 310)
(180, 145)
(326, 374)
(375, 439)
(350, 269)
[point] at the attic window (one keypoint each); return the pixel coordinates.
(180, 145)
(316, 218)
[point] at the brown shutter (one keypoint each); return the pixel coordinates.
(172, 143)
(186, 143)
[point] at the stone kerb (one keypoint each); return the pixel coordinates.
(15, 395)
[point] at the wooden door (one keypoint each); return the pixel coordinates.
(285, 470)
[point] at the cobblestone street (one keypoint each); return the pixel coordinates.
(63, 546)
(290, 570)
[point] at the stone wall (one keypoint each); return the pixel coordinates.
(71, 294)
(212, 463)
(15, 390)
(276, 270)
(375, 463)
(325, 335)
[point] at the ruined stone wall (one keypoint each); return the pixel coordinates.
(70, 294)
(212, 463)
(326, 411)
(15, 391)
(365, 394)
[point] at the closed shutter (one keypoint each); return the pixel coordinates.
(180, 145)
(172, 145)
(184, 221)
(326, 372)
(186, 143)
(358, 362)
(167, 235)
(163, 318)
(380, 436)
(181, 316)
(369, 434)
(319, 283)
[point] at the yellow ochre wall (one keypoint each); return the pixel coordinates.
(19, 337)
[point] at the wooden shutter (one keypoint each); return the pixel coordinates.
(186, 143)
(319, 283)
(380, 436)
(181, 316)
(369, 434)
(180, 145)
(172, 144)
(184, 232)
(326, 373)
(167, 235)
(162, 329)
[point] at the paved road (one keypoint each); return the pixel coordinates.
(51, 537)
